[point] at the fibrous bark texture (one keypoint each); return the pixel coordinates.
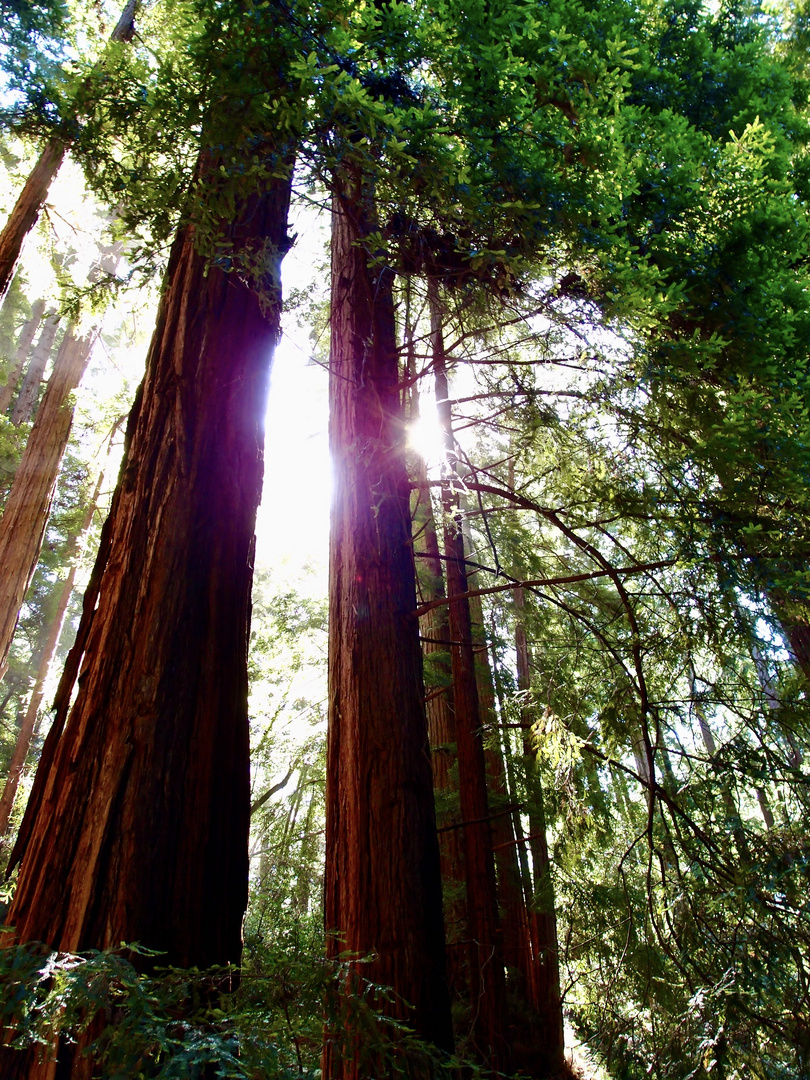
(382, 886)
(138, 823)
(511, 901)
(25, 515)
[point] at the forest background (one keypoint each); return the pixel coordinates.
(569, 253)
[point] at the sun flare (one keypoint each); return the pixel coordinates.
(426, 438)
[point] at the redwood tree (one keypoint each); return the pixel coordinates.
(382, 885)
(138, 827)
(487, 984)
(45, 654)
(28, 505)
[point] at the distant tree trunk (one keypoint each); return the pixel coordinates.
(24, 406)
(23, 348)
(25, 516)
(515, 930)
(137, 827)
(542, 916)
(46, 654)
(307, 859)
(26, 210)
(797, 632)
(32, 198)
(382, 884)
(487, 981)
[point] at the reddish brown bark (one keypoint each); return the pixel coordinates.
(32, 198)
(25, 515)
(797, 633)
(486, 972)
(542, 916)
(138, 831)
(29, 722)
(24, 406)
(382, 885)
(514, 921)
(25, 212)
(21, 355)
(435, 630)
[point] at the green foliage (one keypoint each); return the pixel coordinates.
(30, 39)
(188, 1023)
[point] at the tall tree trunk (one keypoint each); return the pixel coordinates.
(514, 924)
(528, 1042)
(138, 823)
(382, 884)
(46, 653)
(517, 823)
(21, 355)
(24, 406)
(542, 916)
(26, 210)
(435, 632)
(32, 198)
(25, 516)
(487, 981)
(307, 857)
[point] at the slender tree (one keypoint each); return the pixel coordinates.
(45, 658)
(487, 985)
(26, 210)
(545, 983)
(27, 335)
(25, 515)
(26, 399)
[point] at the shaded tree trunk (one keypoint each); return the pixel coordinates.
(435, 635)
(797, 632)
(514, 925)
(21, 355)
(138, 822)
(486, 973)
(382, 883)
(527, 1037)
(542, 916)
(26, 210)
(46, 654)
(28, 726)
(24, 406)
(435, 632)
(27, 508)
